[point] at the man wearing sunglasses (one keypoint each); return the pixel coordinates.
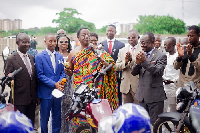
(150, 64)
(124, 63)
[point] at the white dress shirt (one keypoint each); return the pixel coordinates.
(113, 40)
(52, 57)
(23, 58)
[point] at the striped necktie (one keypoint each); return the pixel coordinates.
(27, 64)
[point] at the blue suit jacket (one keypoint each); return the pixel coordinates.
(115, 49)
(45, 73)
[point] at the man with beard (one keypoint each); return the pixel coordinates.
(150, 64)
(188, 60)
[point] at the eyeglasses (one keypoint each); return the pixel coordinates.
(143, 43)
(93, 40)
(131, 37)
(63, 41)
(62, 34)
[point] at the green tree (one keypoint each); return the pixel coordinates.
(101, 31)
(69, 21)
(45, 30)
(160, 25)
(199, 25)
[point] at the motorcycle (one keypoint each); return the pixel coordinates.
(85, 105)
(195, 116)
(180, 121)
(3, 106)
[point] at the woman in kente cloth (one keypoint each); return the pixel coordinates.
(83, 62)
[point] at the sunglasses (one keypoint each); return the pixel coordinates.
(62, 34)
(63, 41)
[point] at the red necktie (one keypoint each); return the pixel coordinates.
(110, 47)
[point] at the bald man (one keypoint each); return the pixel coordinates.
(49, 72)
(124, 63)
(25, 81)
(184, 42)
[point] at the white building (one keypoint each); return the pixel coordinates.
(7, 24)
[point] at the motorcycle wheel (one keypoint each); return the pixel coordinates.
(167, 126)
(85, 128)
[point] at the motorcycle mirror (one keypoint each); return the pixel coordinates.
(192, 85)
(5, 53)
(97, 90)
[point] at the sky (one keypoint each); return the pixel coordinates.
(40, 13)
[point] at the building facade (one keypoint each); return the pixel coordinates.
(123, 28)
(8, 24)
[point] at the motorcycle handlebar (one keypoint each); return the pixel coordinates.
(4, 95)
(15, 72)
(75, 105)
(11, 75)
(107, 68)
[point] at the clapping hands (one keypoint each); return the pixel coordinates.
(180, 50)
(128, 57)
(140, 57)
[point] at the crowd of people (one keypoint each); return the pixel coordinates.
(142, 73)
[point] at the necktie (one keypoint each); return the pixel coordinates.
(52, 56)
(27, 65)
(110, 47)
(132, 51)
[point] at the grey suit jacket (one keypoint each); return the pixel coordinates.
(150, 87)
(25, 87)
(115, 49)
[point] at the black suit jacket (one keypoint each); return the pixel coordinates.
(115, 49)
(24, 85)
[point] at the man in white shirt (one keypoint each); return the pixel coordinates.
(170, 76)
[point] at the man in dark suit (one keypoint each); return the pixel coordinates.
(25, 81)
(112, 46)
(49, 72)
(150, 64)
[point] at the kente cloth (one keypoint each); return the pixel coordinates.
(85, 63)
